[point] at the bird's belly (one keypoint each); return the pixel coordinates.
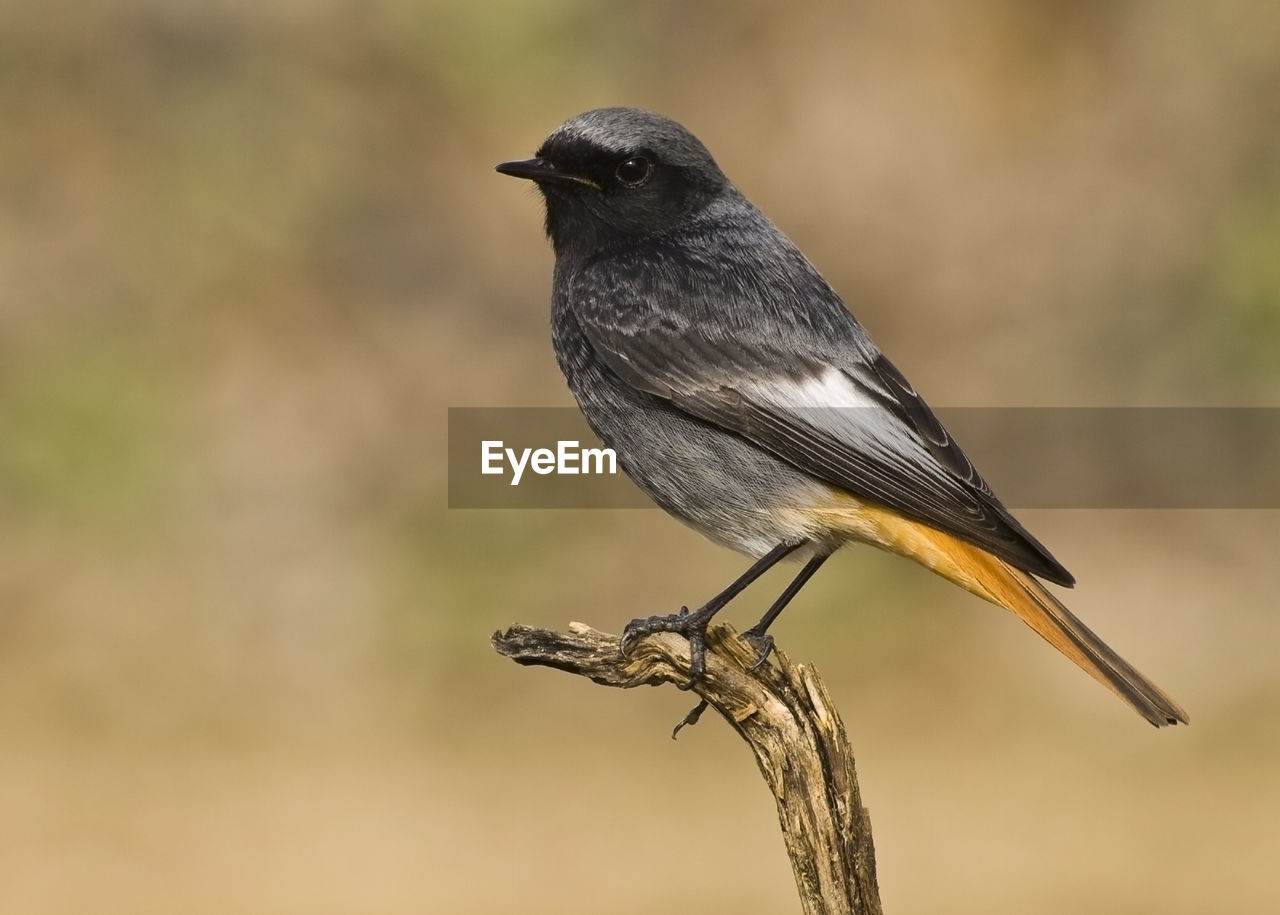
(727, 488)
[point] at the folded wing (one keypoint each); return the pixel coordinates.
(843, 415)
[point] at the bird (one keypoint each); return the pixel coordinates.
(742, 396)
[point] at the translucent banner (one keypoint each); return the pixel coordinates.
(1033, 457)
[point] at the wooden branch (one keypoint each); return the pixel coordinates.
(782, 711)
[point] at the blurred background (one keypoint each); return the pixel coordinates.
(250, 253)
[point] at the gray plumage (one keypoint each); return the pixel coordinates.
(694, 336)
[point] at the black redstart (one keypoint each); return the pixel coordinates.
(744, 399)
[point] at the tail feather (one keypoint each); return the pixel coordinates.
(995, 580)
(1034, 605)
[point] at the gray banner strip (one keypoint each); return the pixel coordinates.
(1033, 457)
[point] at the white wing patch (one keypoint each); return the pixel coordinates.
(830, 388)
(833, 403)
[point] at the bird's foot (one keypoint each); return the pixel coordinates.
(692, 718)
(693, 626)
(762, 642)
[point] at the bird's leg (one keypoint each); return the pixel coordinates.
(693, 626)
(756, 635)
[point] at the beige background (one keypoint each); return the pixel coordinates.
(251, 252)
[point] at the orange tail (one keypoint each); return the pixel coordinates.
(995, 580)
(1017, 591)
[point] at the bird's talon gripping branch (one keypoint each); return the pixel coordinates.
(638, 628)
(695, 714)
(693, 626)
(762, 642)
(697, 657)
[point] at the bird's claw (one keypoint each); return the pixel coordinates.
(637, 629)
(690, 719)
(762, 642)
(690, 625)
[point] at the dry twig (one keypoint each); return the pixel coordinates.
(782, 711)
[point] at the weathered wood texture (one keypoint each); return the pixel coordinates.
(782, 711)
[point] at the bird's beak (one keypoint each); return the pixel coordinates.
(542, 171)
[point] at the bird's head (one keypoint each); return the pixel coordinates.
(618, 174)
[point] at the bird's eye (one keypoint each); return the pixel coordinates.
(634, 171)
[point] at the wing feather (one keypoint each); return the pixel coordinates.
(831, 412)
